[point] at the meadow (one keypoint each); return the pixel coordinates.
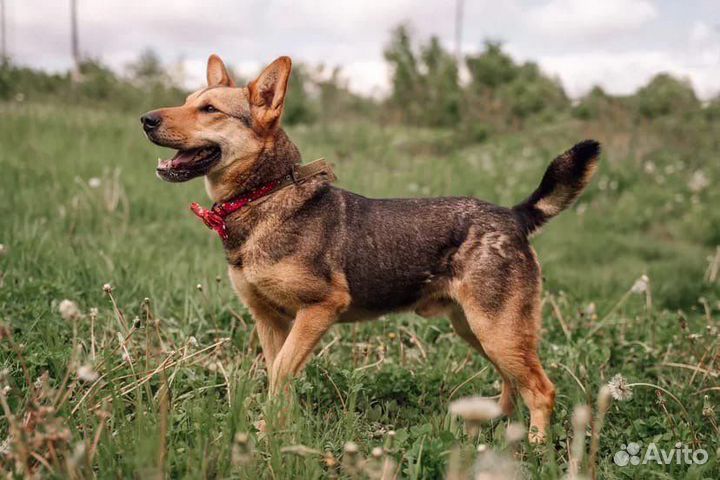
(151, 367)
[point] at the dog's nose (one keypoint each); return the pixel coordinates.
(150, 121)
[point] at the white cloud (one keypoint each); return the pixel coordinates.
(623, 73)
(585, 18)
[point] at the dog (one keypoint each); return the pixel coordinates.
(303, 255)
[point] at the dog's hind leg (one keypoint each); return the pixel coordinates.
(509, 339)
(462, 328)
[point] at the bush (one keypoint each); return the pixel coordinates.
(666, 94)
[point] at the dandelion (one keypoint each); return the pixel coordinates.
(619, 388)
(199, 287)
(478, 409)
(107, 288)
(94, 182)
(87, 374)
(604, 397)
(352, 460)
(514, 432)
(580, 420)
(69, 310)
(3, 250)
(698, 182)
(641, 285)
(242, 449)
(474, 411)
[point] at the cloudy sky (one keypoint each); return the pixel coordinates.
(618, 44)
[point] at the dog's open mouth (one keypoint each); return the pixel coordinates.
(187, 164)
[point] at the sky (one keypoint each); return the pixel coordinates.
(617, 44)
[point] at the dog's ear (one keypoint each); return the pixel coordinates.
(267, 92)
(217, 74)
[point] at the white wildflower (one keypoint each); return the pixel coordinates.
(69, 310)
(641, 285)
(515, 432)
(581, 417)
(475, 409)
(649, 167)
(619, 388)
(3, 250)
(698, 182)
(107, 288)
(87, 374)
(94, 182)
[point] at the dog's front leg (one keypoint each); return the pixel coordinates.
(310, 325)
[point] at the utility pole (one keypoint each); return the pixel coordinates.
(458, 30)
(74, 37)
(3, 34)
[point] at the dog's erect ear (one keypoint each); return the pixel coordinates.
(217, 74)
(267, 92)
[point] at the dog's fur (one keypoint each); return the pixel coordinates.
(312, 255)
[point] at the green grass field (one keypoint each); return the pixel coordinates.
(175, 384)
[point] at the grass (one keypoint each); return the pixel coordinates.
(182, 384)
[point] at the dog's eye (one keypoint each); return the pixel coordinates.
(209, 109)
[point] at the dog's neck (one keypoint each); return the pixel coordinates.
(275, 161)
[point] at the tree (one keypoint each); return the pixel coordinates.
(425, 84)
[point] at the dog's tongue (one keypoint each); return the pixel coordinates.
(182, 157)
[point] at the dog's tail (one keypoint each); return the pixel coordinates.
(564, 180)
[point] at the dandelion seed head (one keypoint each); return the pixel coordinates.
(581, 417)
(351, 448)
(94, 182)
(475, 409)
(619, 388)
(107, 288)
(640, 285)
(69, 310)
(515, 432)
(698, 181)
(87, 374)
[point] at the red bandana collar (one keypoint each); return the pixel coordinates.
(214, 218)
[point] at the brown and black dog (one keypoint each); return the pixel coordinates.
(311, 255)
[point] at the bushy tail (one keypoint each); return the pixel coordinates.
(564, 180)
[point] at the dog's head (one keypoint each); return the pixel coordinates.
(221, 124)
